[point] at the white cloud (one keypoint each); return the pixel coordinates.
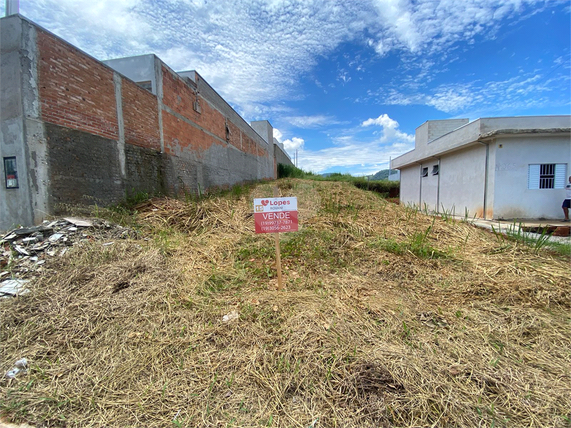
(310, 121)
(253, 52)
(294, 144)
(493, 97)
(352, 154)
(350, 151)
(383, 120)
(278, 134)
(431, 26)
(389, 129)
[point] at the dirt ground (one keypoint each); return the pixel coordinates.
(388, 318)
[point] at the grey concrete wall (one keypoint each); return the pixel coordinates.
(433, 129)
(21, 131)
(84, 169)
(513, 200)
(137, 68)
(145, 171)
(266, 131)
(220, 166)
(281, 156)
(490, 124)
(458, 188)
(438, 128)
(14, 203)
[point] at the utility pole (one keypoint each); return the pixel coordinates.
(390, 166)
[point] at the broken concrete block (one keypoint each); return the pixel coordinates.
(55, 237)
(13, 287)
(21, 250)
(79, 222)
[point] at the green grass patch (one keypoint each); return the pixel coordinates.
(417, 244)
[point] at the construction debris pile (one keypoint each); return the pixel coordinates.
(25, 252)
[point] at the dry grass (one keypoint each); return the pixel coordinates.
(389, 318)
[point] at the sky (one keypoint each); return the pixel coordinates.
(344, 83)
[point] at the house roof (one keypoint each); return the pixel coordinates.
(480, 131)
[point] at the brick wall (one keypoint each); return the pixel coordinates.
(183, 139)
(76, 91)
(179, 96)
(140, 116)
(212, 147)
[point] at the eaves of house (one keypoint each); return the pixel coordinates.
(481, 131)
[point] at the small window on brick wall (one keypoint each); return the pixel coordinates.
(10, 173)
(425, 172)
(546, 176)
(435, 169)
(146, 85)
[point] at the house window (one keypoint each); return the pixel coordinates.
(10, 172)
(425, 172)
(435, 169)
(546, 176)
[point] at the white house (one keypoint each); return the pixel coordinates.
(493, 168)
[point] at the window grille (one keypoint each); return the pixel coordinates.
(546, 176)
(10, 172)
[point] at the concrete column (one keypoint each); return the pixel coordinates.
(35, 142)
(12, 7)
(120, 123)
(21, 130)
(266, 131)
(159, 81)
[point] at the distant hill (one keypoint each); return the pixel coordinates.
(381, 175)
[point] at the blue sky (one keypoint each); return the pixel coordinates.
(344, 82)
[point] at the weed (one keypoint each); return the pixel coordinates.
(516, 233)
(410, 211)
(417, 244)
(560, 248)
(447, 215)
(218, 282)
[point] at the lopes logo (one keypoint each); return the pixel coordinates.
(265, 202)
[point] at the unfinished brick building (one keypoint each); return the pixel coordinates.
(75, 130)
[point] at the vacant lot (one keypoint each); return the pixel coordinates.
(389, 318)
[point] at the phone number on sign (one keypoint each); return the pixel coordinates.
(277, 227)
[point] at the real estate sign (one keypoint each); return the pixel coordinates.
(275, 215)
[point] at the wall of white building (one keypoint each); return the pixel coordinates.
(513, 199)
(462, 181)
(429, 186)
(409, 185)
